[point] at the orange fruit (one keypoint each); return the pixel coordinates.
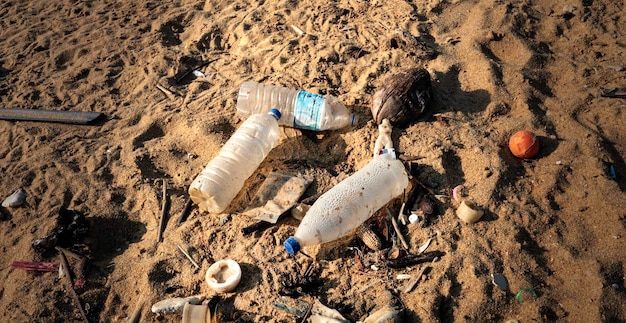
(524, 144)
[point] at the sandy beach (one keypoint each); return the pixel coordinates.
(554, 225)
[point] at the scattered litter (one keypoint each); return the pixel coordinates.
(196, 313)
(519, 297)
(323, 314)
(612, 171)
(292, 306)
(299, 211)
(297, 30)
(384, 137)
(613, 93)
(224, 218)
(456, 194)
(403, 276)
(385, 314)
(413, 218)
(423, 247)
(197, 73)
(223, 276)
(176, 304)
(278, 193)
(71, 227)
(500, 281)
(469, 212)
(16, 199)
(36, 266)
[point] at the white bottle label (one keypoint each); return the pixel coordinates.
(308, 111)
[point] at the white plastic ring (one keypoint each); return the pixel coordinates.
(223, 276)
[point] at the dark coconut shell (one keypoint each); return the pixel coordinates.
(402, 98)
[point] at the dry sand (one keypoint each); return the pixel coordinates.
(555, 223)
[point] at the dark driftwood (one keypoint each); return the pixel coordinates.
(72, 117)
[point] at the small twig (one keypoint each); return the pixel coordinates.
(167, 92)
(134, 318)
(185, 213)
(425, 187)
(163, 213)
(308, 312)
(397, 228)
(254, 227)
(188, 256)
(411, 284)
(66, 268)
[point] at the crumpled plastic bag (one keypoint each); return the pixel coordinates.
(278, 193)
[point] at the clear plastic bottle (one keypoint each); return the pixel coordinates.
(348, 204)
(300, 109)
(223, 177)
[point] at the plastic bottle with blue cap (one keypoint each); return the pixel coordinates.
(348, 204)
(300, 109)
(224, 176)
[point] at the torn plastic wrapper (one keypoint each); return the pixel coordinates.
(278, 193)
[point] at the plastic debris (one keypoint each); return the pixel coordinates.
(35, 266)
(520, 294)
(323, 314)
(385, 314)
(71, 227)
(16, 199)
(277, 194)
(223, 276)
(176, 304)
(423, 247)
(292, 306)
(500, 281)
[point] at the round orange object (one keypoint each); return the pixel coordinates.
(524, 144)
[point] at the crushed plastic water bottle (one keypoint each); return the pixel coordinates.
(348, 204)
(220, 181)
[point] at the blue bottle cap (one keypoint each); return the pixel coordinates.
(291, 245)
(275, 113)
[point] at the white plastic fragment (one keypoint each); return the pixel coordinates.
(423, 247)
(384, 137)
(223, 276)
(323, 314)
(176, 304)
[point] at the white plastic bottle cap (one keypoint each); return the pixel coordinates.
(413, 218)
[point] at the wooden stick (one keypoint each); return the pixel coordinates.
(166, 91)
(397, 228)
(185, 213)
(163, 213)
(188, 257)
(66, 268)
(134, 318)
